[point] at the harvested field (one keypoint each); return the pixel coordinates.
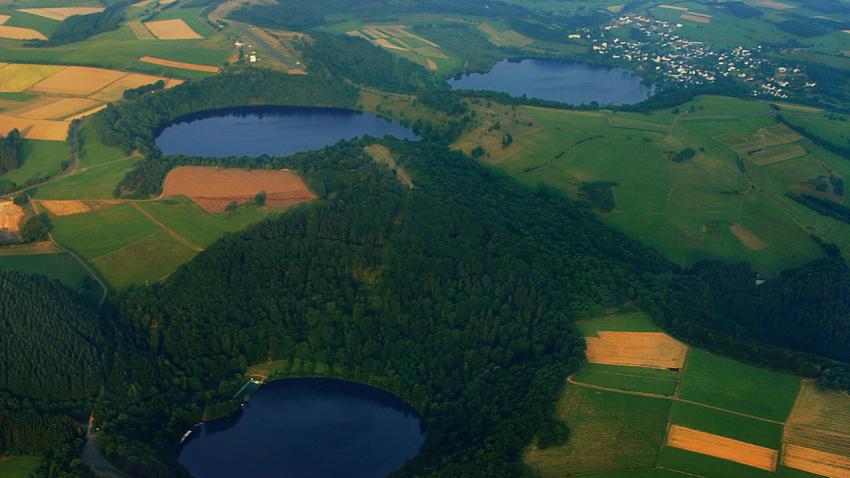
(387, 44)
(696, 18)
(141, 4)
(86, 113)
(175, 29)
(61, 13)
(614, 8)
(636, 349)
(179, 64)
(213, 188)
(65, 208)
(58, 109)
(722, 447)
(141, 32)
(815, 461)
(429, 63)
(11, 216)
(115, 90)
(4, 19)
(747, 238)
(773, 5)
(820, 420)
(673, 7)
(35, 129)
(18, 77)
(78, 80)
(19, 33)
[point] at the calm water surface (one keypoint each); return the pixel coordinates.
(272, 130)
(569, 82)
(304, 428)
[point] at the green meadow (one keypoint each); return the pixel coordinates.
(18, 466)
(142, 262)
(96, 182)
(627, 322)
(101, 231)
(60, 266)
(609, 431)
(631, 379)
(716, 422)
(42, 159)
(732, 385)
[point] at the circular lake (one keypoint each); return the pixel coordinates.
(570, 82)
(308, 428)
(272, 130)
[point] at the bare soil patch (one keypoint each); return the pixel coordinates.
(214, 188)
(814, 461)
(78, 80)
(11, 216)
(636, 349)
(61, 13)
(175, 29)
(722, 447)
(747, 238)
(59, 108)
(179, 64)
(65, 208)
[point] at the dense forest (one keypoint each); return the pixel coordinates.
(10, 151)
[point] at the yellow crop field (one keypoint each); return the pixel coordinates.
(61, 13)
(722, 447)
(58, 108)
(636, 349)
(77, 80)
(175, 29)
(16, 77)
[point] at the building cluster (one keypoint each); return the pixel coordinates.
(643, 42)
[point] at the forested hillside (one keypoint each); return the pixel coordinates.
(10, 148)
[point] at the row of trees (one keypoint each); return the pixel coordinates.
(80, 27)
(10, 151)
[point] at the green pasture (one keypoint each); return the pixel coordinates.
(42, 159)
(609, 431)
(736, 386)
(632, 379)
(684, 209)
(145, 261)
(697, 464)
(756, 432)
(61, 266)
(101, 231)
(628, 322)
(18, 466)
(198, 226)
(96, 182)
(93, 151)
(17, 96)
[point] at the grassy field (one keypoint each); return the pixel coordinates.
(94, 152)
(628, 322)
(609, 431)
(198, 226)
(95, 183)
(60, 266)
(757, 432)
(690, 210)
(18, 466)
(42, 159)
(142, 262)
(697, 464)
(736, 386)
(102, 231)
(632, 379)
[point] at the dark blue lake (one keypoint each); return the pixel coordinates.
(570, 82)
(302, 428)
(272, 130)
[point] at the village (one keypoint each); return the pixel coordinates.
(641, 42)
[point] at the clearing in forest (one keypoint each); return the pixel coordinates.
(11, 216)
(214, 189)
(61, 13)
(175, 29)
(383, 155)
(636, 349)
(817, 434)
(722, 447)
(179, 64)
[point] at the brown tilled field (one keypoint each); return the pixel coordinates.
(175, 29)
(214, 188)
(816, 462)
(636, 349)
(179, 64)
(61, 13)
(77, 80)
(722, 447)
(11, 216)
